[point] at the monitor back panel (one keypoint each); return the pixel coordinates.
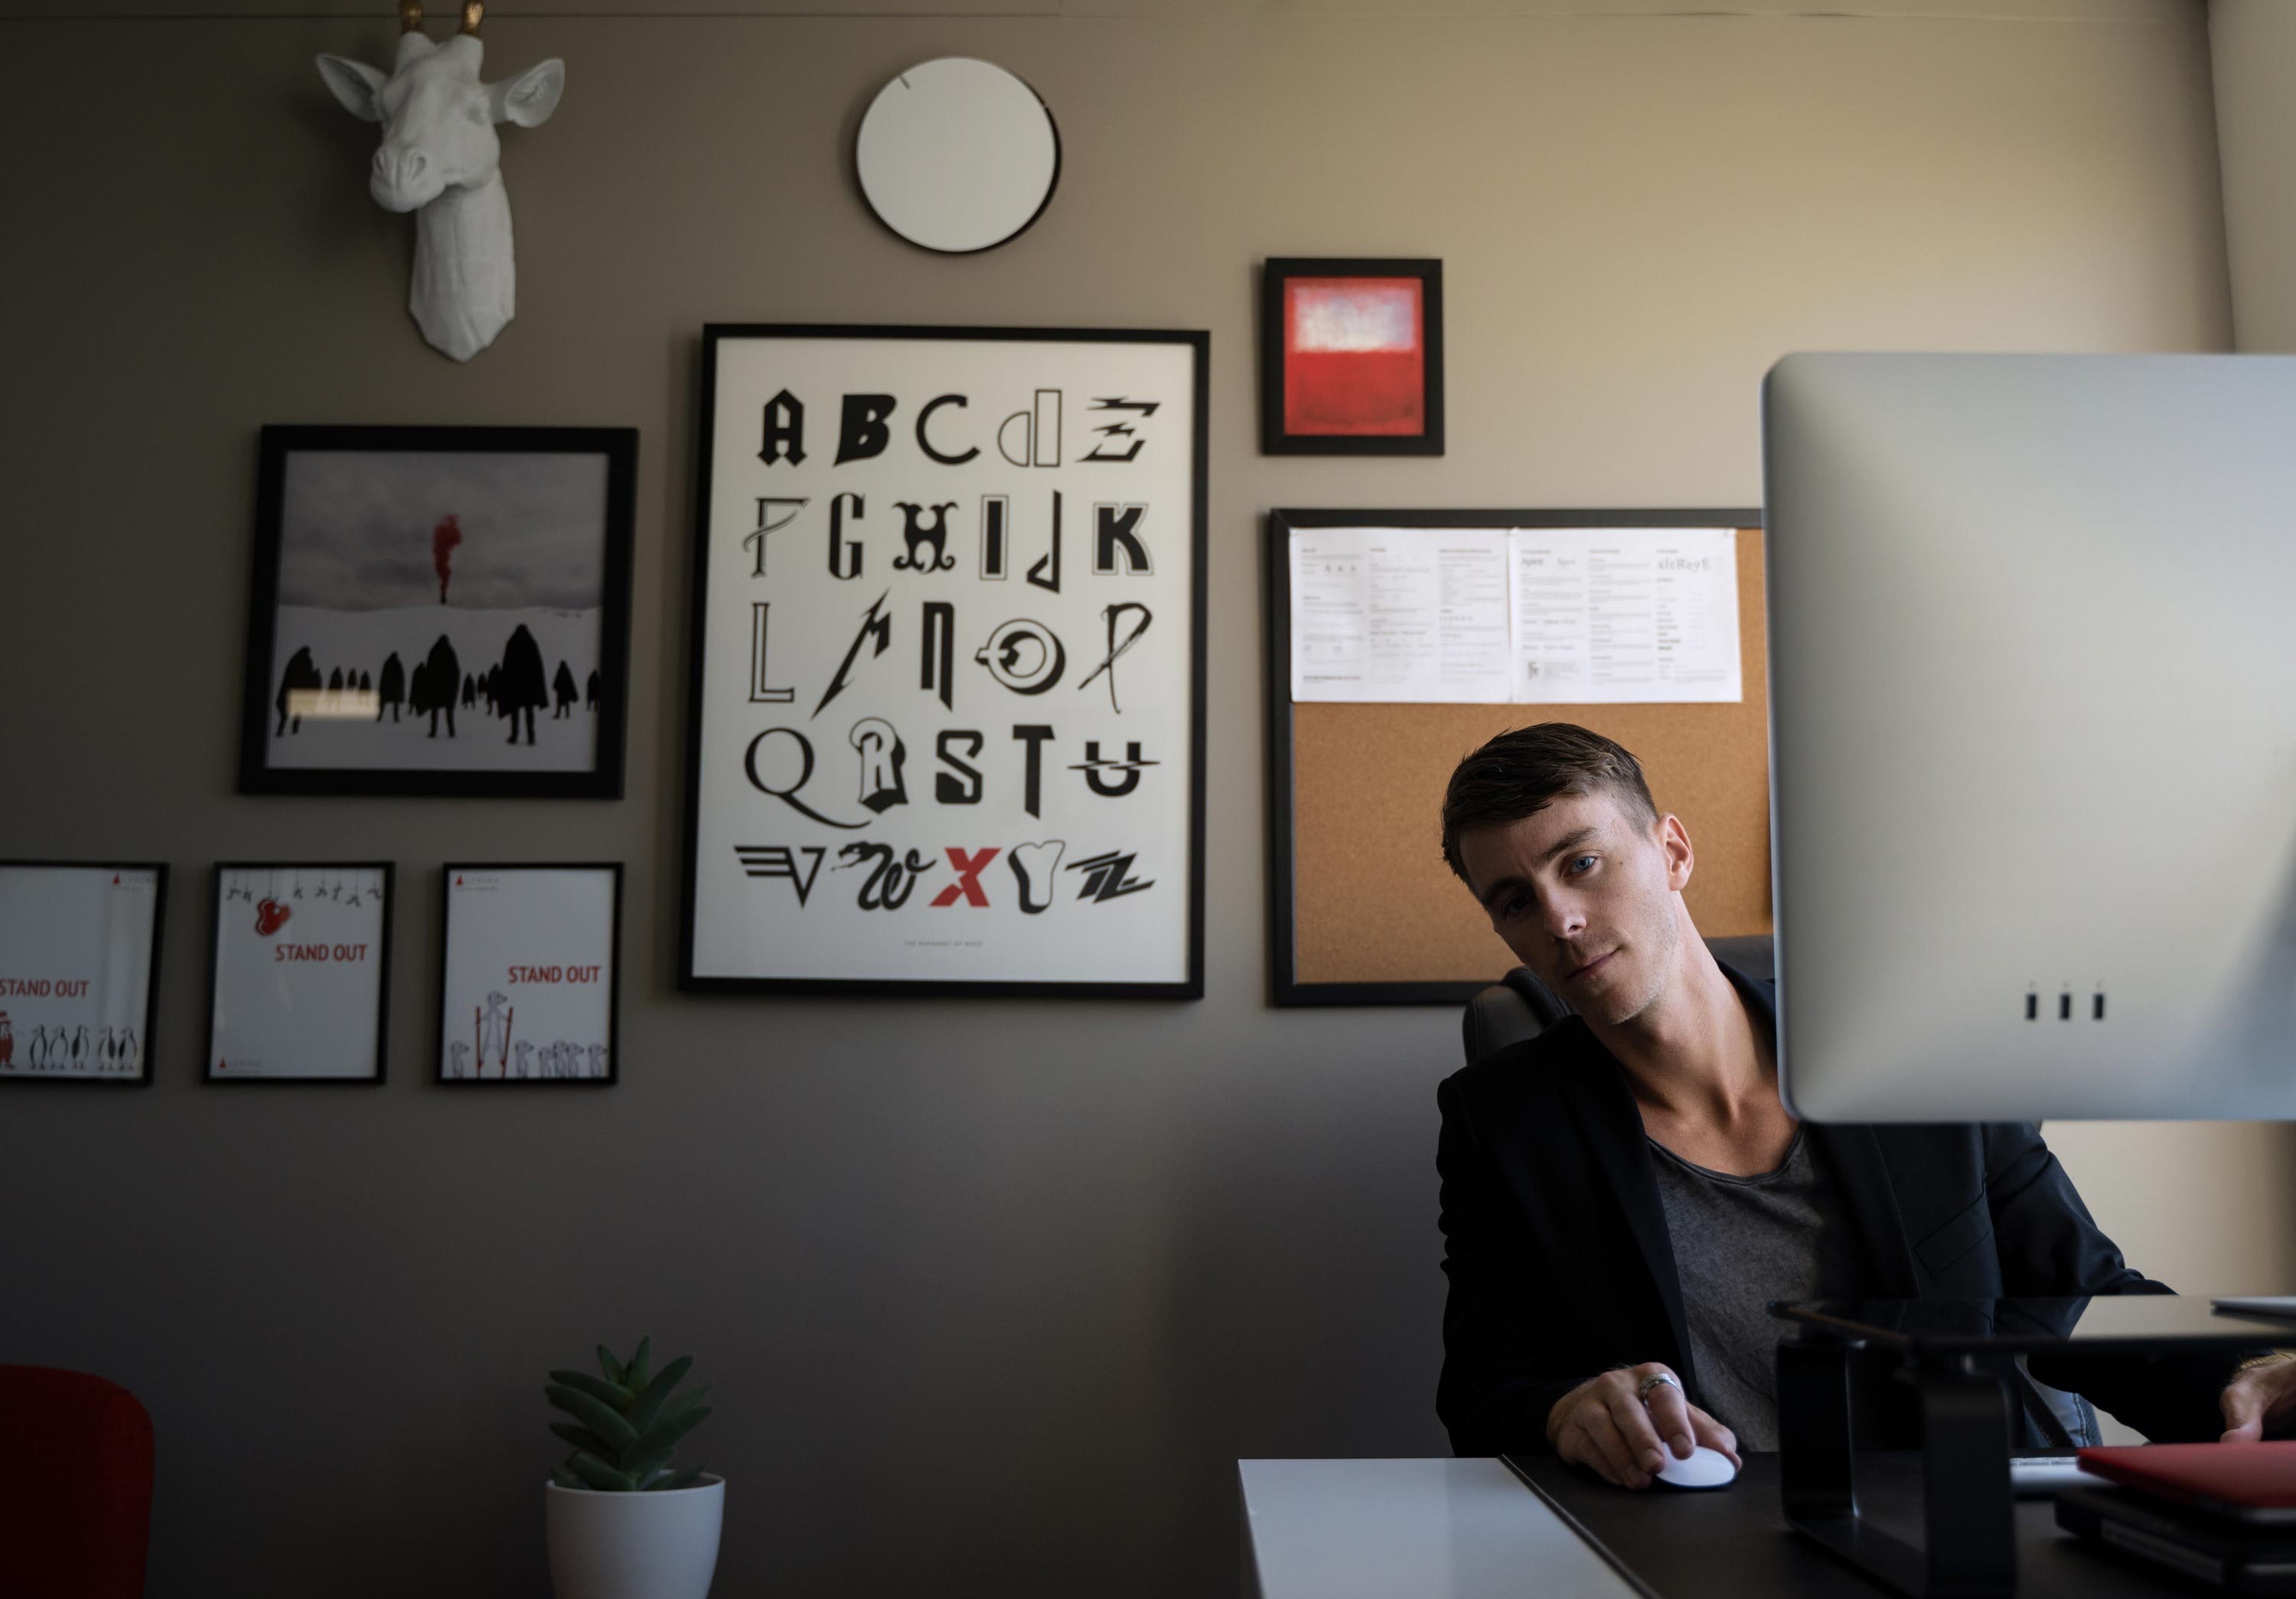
(2033, 719)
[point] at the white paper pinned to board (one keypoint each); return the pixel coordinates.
(1565, 616)
(1408, 614)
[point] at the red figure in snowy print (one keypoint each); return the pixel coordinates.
(444, 537)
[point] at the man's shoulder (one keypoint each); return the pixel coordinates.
(1531, 1068)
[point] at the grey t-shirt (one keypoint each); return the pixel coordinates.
(1739, 1243)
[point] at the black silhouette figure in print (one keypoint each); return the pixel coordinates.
(392, 690)
(436, 682)
(300, 678)
(521, 687)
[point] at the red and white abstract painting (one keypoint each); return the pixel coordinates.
(1355, 356)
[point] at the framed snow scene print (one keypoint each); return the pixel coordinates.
(948, 681)
(439, 611)
(529, 988)
(79, 964)
(1351, 357)
(302, 972)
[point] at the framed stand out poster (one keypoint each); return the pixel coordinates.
(439, 611)
(302, 970)
(79, 970)
(947, 678)
(529, 988)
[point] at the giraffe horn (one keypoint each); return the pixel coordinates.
(410, 16)
(474, 11)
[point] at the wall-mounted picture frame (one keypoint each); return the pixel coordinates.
(530, 973)
(298, 987)
(947, 679)
(79, 970)
(1351, 356)
(439, 611)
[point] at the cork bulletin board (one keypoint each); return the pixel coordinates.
(1363, 909)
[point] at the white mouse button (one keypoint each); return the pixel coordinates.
(1705, 1468)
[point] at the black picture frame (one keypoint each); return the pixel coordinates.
(603, 780)
(1284, 987)
(614, 992)
(159, 869)
(1275, 438)
(389, 870)
(1189, 988)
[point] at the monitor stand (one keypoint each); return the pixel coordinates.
(1968, 1545)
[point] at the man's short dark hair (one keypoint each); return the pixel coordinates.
(1524, 770)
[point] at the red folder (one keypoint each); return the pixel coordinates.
(2249, 1482)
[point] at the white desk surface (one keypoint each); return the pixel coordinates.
(1409, 1529)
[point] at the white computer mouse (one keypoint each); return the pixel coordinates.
(1705, 1468)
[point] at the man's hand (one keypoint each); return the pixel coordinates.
(2259, 1397)
(1602, 1424)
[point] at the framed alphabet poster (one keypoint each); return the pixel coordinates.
(79, 958)
(531, 981)
(302, 970)
(948, 680)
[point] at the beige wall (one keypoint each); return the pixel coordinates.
(995, 1293)
(2254, 53)
(2209, 1203)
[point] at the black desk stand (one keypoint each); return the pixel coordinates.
(1969, 1548)
(1959, 1357)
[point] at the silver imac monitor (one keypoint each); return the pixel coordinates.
(2033, 735)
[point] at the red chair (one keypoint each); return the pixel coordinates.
(75, 1486)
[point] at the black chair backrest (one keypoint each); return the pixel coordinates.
(1520, 1006)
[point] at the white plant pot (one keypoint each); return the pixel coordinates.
(652, 1546)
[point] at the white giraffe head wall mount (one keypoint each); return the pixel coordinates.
(441, 159)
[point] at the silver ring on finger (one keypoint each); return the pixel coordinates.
(1656, 1380)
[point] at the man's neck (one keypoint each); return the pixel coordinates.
(1695, 1053)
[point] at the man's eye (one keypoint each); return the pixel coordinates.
(1583, 862)
(1514, 906)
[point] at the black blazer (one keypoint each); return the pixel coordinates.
(1560, 1267)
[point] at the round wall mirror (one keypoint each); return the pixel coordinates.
(958, 155)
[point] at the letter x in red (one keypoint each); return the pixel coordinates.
(968, 878)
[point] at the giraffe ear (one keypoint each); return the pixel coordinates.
(530, 98)
(355, 84)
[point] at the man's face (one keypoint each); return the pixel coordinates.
(1587, 896)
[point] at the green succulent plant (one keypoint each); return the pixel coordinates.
(625, 1425)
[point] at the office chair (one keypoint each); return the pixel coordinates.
(1520, 1006)
(75, 1486)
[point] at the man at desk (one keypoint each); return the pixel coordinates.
(1623, 1194)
